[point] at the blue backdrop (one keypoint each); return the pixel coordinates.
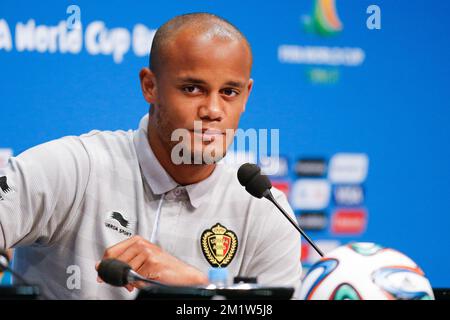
(380, 93)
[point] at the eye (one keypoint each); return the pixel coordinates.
(191, 89)
(230, 92)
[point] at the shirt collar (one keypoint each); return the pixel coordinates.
(159, 180)
(200, 191)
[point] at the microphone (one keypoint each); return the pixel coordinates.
(118, 273)
(4, 266)
(259, 185)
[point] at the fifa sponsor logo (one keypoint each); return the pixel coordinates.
(349, 221)
(310, 194)
(312, 221)
(310, 167)
(348, 195)
(283, 186)
(348, 168)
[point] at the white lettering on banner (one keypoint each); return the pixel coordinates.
(30, 37)
(115, 41)
(65, 38)
(5, 36)
(142, 40)
(333, 56)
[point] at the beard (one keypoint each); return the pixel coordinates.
(186, 147)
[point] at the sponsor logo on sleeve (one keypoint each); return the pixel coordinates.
(4, 187)
(119, 223)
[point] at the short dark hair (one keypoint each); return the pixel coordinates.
(202, 22)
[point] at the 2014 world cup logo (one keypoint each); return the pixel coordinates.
(324, 19)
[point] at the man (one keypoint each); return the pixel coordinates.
(126, 195)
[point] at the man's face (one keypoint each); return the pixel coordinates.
(205, 80)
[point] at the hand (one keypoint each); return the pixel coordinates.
(152, 262)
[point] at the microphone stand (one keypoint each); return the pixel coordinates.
(268, 195)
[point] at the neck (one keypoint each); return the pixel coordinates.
(183, 174)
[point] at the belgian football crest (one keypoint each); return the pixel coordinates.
(219, 245)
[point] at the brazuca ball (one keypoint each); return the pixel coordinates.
(365, 271)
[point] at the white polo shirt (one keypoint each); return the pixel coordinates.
(64, 202)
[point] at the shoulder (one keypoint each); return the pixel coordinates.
(51, 152)
(112, 145)
(79, 150)
(107, 139)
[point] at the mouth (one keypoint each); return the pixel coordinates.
(208, 135)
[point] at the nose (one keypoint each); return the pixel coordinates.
(212, 108)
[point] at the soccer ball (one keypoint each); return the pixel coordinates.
(365, 271)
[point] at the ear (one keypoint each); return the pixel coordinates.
(249, 90)
(148, 85)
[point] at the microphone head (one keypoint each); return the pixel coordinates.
(249, 176)
(114, 272)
